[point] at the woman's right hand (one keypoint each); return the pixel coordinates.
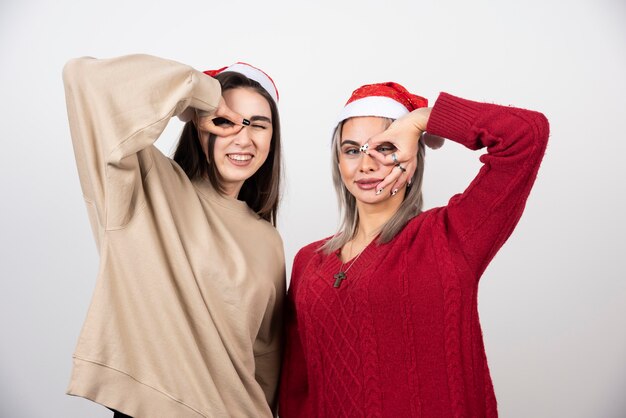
(221, 122)
(404, 134)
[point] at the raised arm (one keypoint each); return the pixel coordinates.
(482, 218)
(117, 108)
(479, 220)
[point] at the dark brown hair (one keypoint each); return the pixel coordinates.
(261, 191)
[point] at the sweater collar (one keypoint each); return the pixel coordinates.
(369, 259)
(206, 189)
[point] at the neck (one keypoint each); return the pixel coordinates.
(372, 217)
(231, 189)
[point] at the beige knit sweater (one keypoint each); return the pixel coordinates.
(186, 315)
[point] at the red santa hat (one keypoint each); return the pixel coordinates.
(386, 100)
(252, 73)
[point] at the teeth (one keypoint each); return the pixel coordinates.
(240, 157)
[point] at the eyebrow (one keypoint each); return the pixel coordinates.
(350, 142)
(260, 119)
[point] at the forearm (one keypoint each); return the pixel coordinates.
(119, 106)
(111, 100)
(484, 215)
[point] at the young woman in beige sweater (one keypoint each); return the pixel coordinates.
(186, 314)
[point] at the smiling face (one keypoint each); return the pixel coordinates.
(361, 173)
(239, 156)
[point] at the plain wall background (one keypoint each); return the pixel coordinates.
(553, 301)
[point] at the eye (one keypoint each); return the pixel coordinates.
(223, 122)
(352, 151)
(386, 148)
(259, 126)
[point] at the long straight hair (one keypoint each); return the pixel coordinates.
(410, 207)
(262, 190)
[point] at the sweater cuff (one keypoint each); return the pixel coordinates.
(206, 93)
(452, 118)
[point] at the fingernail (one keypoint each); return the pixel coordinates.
(394, 192)
(364, 148)
(379, 191)
(246, 122)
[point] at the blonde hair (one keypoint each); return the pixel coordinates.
(410, 207)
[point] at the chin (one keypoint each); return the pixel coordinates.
(370, 197)
(234, 174)
(238, 178)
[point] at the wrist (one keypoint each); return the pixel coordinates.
(419, 118)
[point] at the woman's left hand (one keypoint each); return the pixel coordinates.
(404, 134)
(221, 122)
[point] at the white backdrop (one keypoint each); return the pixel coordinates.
(553, 301)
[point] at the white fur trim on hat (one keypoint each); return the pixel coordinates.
(256, 75)
(379, 106)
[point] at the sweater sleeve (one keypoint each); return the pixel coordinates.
(117, 108)
(481, 219)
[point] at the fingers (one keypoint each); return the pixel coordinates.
(405, 178)
(223, 129)
(391, 178)
(225, 112)
(397, 178)
(223, 121)
(382, 158)
(410, 172)
(380, 138)
(388, 136)
(395, 158)
(402, 181)
(405, 146)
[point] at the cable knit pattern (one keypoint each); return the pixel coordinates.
(452, 325)
(401, 337)
(340, 361)
(408, 328)
(371, 374)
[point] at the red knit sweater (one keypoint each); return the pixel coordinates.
(401, 337)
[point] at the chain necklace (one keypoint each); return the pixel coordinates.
(342, 275)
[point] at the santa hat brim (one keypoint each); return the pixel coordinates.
(379, 106)
(256, 75)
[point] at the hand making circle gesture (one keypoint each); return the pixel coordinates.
(404, 134)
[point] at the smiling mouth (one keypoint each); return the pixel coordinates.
(240, 157)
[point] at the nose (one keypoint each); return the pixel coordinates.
(243, 138)
(368, 164)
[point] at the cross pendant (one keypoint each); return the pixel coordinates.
(339, 277)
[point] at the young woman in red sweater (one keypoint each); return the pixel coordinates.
(382, 318)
